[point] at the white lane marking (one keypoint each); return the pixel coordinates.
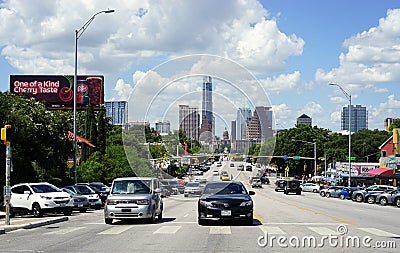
(63, 231)
(186, 215)
(167, 230)
(302, 223)
(323, 231)
(223, 230)
(115, 230)
(379, 232)
(272, 230)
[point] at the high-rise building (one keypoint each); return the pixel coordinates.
(207, 106)
(260, 125)
(243, 117)
(118, 112)
(359, 118)
(304, 120)
(163, 127)
(189, 121)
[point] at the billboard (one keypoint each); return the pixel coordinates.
(56, 91)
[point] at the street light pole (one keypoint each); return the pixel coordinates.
(348, 96)
(315, 153)
(78, 34)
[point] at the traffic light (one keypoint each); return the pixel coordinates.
(6, 134)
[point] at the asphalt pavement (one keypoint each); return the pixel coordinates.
(28, 221)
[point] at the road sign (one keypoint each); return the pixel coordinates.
(296, 157)
(285, 157)
(352, 158)
(287, 169)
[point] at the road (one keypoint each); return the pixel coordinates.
(283, 220)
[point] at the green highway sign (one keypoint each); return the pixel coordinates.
(296, 157)
(352, 158)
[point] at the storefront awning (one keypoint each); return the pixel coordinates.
(381, 171)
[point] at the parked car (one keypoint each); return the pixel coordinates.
(39, 198)
(359, 196)
(240, 167)
(371, 197)
(225, 201)
(390, 197)
(334, 191)
(280, 185)
(81, 203)
(82, 189)
(215, 173)
(310, 187)
(134, 198)
(323, 191)
(292, 186)
(249, 167)
(347, 192)
(193, 188)
(264, 179)
(100, 189)
(164, 184)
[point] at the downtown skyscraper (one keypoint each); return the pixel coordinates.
(207, 117)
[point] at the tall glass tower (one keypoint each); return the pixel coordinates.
(206, 103)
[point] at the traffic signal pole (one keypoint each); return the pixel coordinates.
(5, 137)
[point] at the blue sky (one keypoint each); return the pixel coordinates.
(293, 47)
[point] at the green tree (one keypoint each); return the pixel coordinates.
(395, 124)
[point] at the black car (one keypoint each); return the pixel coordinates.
(225, 200)
(292, 186)
(280, 185)
(101, 189)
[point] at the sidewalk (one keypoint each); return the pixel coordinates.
(27, 222)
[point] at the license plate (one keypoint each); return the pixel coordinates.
(226, 213)
(62, 204)
(80, 205)
(126, 210)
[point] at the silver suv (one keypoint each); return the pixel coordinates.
(134, 198)
(39, 198)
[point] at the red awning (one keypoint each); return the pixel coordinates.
(381, 171)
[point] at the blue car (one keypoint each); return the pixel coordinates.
(347, 192)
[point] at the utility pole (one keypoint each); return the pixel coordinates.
(7, 188)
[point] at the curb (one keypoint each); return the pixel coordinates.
(8, 228)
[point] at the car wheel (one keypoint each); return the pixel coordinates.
(322, 194)
(314, 191)
(370, 200)
(186, 195)
(328, 195)
(342, 197)
(108, 221)
(67, 211)
(36, 210)
(397, 202)
(359, 198)
(383, 201)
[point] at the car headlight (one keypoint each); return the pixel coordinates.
(45, 197)
(247, 203)
(205, 203)
(111, 202)
(143, 202)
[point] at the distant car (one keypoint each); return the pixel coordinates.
(292, 186)
(101, 189)
(310, 187)
(256, 183)
(224, 176)
(347, 192)
(219, 164)
(391, 197)
(192, 188)
(359, 196)
(334, 192)
(81, 203)
(225, 201)
(249, 167)
(174, 185)
(240, 167)
(323, 191)
(215, 173)
(231, 165)
(264, 179)
(280, 185)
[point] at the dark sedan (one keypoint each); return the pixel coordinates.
(225, 200)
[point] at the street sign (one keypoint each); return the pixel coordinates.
(352, 158)
(285, 157)
(296, 157)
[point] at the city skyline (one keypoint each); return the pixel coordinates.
(293, 51)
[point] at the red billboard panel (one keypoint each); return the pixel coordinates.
(57, 91)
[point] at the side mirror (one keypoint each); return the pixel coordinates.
(252, 193)
(158, 190)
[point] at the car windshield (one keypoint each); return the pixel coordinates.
(98, 187)
(192, 184)
(41, 188)
(83, 189)
(131, 187)
(225, 189)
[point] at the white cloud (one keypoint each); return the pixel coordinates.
(121, 90)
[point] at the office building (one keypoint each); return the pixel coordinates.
(304, 120)
(189, 121)
(243, 117)
(260, 125)
(207, 117)
(163, 127)
(118, 112)
(359, 118)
